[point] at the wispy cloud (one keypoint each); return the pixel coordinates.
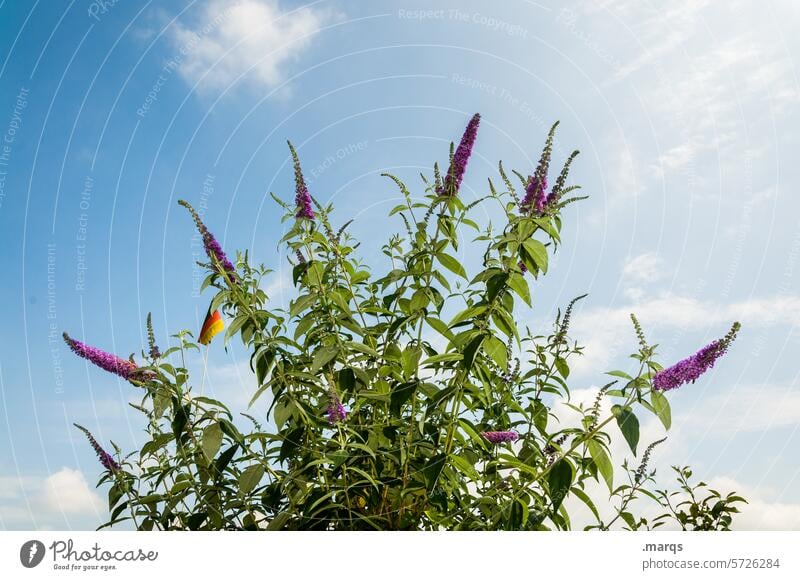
(251, 39)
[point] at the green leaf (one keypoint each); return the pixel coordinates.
(496, 349)
(444, 357)
(519, 285)
(440, 327)
(419, 300)
(235, 326)
(400, 395)
(662, 408)
(472, 351)
(301, 304)
(451, 264)
(603, 463)
(562, 367)
(212, 439)
(559, 481)
(628, 424)
(249, 478)
(283, 410)
(323, 356)
(432, 469)
(534, 251)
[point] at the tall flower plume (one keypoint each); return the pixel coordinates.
(691, 368)
(498, 437)
(536, 199)
(211, 245)
(106, 460)
(105, 360)
(452, 181)
(302, 198)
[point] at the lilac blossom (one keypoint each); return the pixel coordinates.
(535, 199)
(106, 460)
(105, 360)
(336, 411)
(691, 368)
(302, 198)
(458, 165)
(213, 249)
(498, 437)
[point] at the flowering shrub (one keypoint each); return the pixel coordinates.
(409, 399)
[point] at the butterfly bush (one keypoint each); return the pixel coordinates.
(409, 392)
(106, 460)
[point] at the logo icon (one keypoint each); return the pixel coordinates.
(31, 553)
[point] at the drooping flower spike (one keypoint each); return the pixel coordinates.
(455, 174)
(106, 361)
(498, 437)
(106, 460)
(302, 198)
(213, 249)
(691, 368)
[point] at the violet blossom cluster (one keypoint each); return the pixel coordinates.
(213, 250)
(105, 360)
(455, 173)
(498, 437)
(692, 367)
(336, 411)
(535, 199)
(106, 460)
(302, 198)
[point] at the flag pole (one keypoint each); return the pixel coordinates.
(205, 371)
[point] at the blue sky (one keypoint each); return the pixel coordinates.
(110, 112)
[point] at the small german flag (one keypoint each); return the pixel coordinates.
(212, 326)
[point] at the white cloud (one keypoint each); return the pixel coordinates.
(646, 267)
(66, 491)
(748, 408)
(62, 500)
(250, 38)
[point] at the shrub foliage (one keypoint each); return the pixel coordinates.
(410, 398)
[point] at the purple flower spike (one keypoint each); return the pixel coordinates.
(211, 245)
(535, 199)
(521, 265)
(498, 437)
(452, 182)
(336, 411)
(691, 368)
(105, 360)
(302, 198)
(106, 460)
